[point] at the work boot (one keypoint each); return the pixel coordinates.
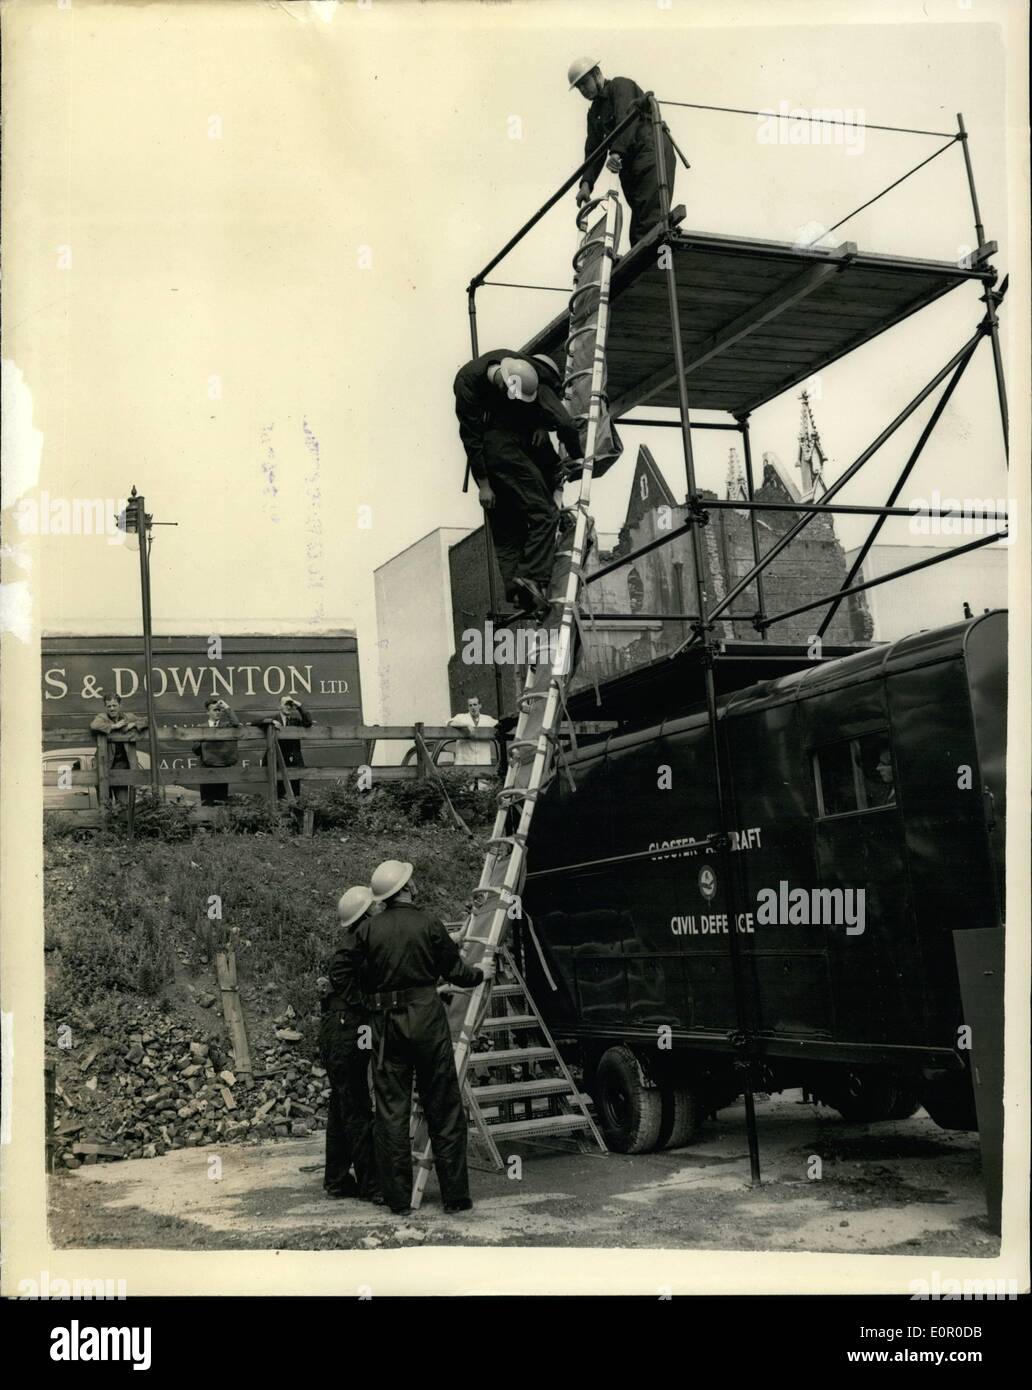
(463, 1204)
(347, 1188)
(531, 594)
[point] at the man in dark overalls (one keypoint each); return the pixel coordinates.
(406, 952)
(349, 1121)
(611, 100)
(506, 405)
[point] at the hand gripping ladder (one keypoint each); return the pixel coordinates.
(499, 1019)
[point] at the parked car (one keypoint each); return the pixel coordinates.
(442, 752)
(84, 798)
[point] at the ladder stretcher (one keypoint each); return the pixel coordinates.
(485, 1017)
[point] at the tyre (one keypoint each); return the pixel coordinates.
(682, 1117)
(908, 1102)
(865, 1098)
(630, 1110)
(951, 1102)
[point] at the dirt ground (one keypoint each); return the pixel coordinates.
(904, 1187)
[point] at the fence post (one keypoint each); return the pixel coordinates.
(49, 1095)
(103, 783)
(270, 763)
(421, 757)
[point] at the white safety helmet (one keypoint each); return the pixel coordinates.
(389, 878)
(520, 378)
(580, 68)
(548, 362)
(355, 903)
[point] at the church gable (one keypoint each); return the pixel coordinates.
(777, 484)
(648, 489)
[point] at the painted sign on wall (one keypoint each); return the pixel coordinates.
(249, 673)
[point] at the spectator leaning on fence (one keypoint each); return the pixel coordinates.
(116, 720)
(217, 752)
(291, 714)
(473, 751)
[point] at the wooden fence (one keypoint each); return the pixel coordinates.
(272, 779)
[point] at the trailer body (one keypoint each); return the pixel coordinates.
(853, 985)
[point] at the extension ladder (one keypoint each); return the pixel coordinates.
(544, 1077)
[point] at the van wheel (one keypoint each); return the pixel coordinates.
(951, 1102)
(682, 1117)
(629, 1109)
(865, 1099)
(908, 1102)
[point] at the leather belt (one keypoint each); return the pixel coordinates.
(391, 1000)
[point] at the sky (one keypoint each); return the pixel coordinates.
(238, 237)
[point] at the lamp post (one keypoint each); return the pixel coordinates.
(138, 523)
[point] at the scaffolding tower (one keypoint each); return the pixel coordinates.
(726, 324)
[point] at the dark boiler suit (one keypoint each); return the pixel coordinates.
(349, 1120)
(406, 953)
(498, 436)
(636, 146)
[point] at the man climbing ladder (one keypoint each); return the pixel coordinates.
(533, 750)
(506, 405)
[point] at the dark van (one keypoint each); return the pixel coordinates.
(866, 827)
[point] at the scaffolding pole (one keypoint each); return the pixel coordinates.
(743, 1035)
(990, 298)
(743, 425)
(676, 424)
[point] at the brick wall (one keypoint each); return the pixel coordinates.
(470, 608)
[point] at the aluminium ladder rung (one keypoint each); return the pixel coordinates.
(510, 1021)
(509, 1057)
(548, 1124)
(523, 1090)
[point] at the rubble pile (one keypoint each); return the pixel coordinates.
(160, 1085)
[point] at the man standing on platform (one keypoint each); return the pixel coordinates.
(612, 99)
(405, 953)
(507, 405)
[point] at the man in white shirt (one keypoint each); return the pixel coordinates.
(479, 749)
